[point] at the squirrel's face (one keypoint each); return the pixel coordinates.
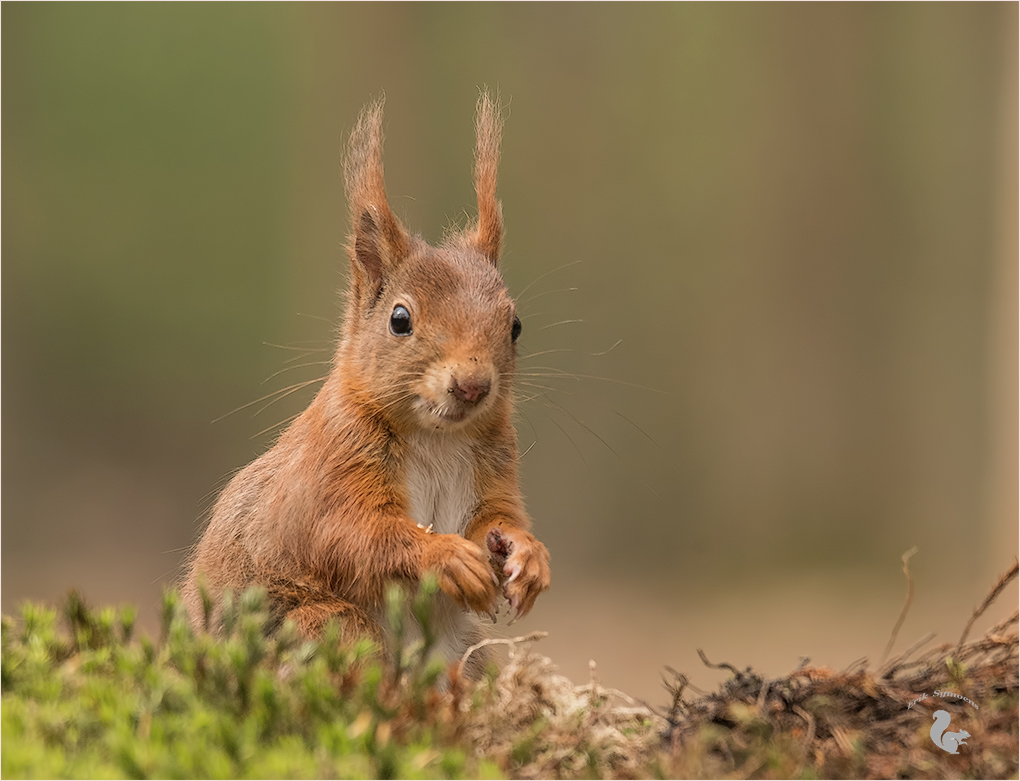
(440, 342)
(432, 331)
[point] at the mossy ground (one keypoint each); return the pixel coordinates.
(84, 697)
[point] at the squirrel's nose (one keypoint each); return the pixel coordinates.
(471, 390)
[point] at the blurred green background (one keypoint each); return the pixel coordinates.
(796, 223)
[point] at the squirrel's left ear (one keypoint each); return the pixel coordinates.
(487, 236)
(378, 242)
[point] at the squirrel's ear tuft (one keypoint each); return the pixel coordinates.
(378, 242)
(487, 236)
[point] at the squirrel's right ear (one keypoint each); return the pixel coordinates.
(487, 235)
(378, 242)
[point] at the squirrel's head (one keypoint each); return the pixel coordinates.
(430, 332)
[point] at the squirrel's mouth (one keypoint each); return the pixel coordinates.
(449, 414)
(432, 413)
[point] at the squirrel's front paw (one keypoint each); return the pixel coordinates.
(463, 571)
(524, 562)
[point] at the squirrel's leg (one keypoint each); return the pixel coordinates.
(311, 619)
(522, 561)
(366, 556)
(500, 526)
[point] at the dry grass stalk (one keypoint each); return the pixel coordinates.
(996, 590)
(906, 604)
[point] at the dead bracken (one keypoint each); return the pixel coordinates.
(814, 722)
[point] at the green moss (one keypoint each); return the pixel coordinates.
(88, 699)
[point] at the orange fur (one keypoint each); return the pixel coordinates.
(404, 426)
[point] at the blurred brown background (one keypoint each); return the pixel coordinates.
(798, 221)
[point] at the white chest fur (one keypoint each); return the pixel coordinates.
(440, 482)
(440, 479)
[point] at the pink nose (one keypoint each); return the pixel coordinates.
(471, 390)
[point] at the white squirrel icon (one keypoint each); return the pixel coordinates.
(947, 741)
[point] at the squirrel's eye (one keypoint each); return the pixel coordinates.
(400, 321)
(515, 330)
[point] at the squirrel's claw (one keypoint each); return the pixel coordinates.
(513, 570)
(525, 568)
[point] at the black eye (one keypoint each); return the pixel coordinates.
(515, 330)
(400, 321)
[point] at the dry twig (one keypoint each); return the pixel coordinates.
(906, 605)
(510, 641)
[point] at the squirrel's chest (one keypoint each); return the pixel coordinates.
(440, 483)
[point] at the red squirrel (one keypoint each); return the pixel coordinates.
(406, 460)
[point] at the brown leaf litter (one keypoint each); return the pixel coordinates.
(860, 722)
